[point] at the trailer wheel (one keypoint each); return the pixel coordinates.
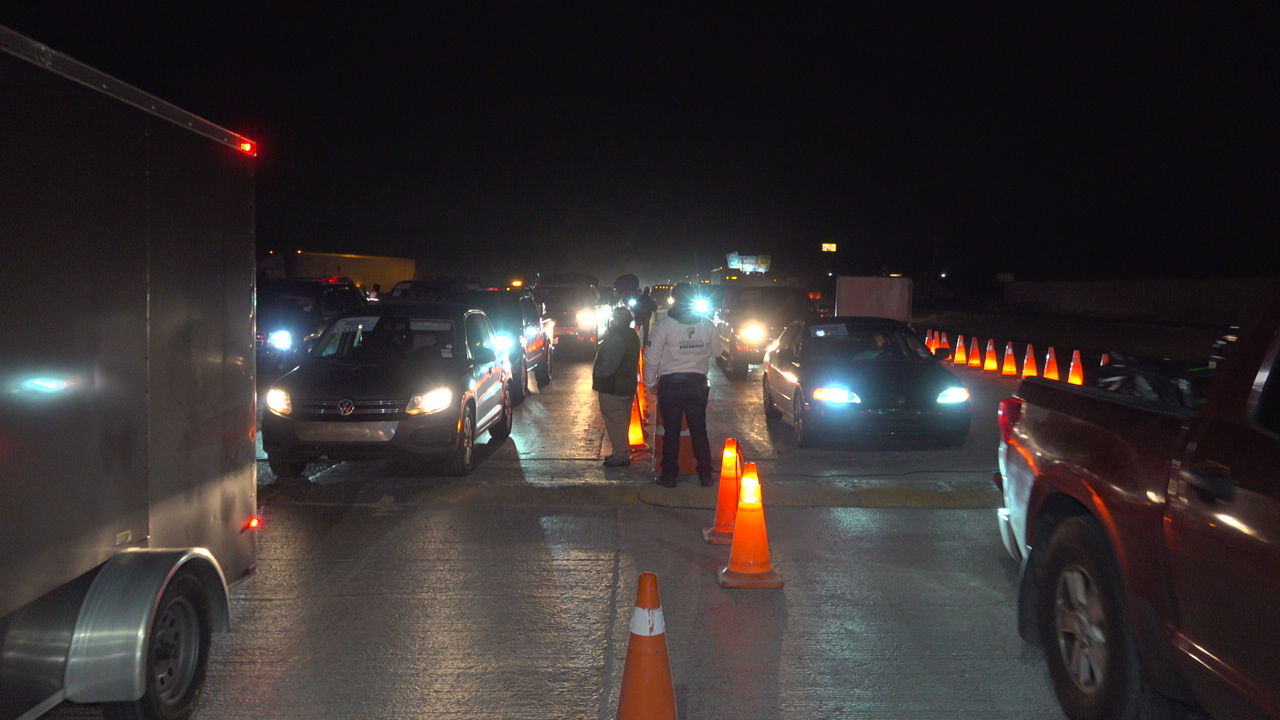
(177, 656)
(1085, 631)
(286, 468)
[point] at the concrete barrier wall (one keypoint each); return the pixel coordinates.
(1211, 302)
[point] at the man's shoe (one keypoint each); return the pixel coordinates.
(611, 462)
(706, 481)
(665, 481)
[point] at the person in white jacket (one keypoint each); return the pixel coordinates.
(681, 348)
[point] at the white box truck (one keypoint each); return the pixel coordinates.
(886, 297)
(128, 481)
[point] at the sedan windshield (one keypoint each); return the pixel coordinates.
(384, 339)
(858, 342)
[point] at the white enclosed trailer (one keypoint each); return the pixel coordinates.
(127, 419)
(886, 297)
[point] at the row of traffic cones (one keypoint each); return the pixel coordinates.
(990, 362)
(648, 691)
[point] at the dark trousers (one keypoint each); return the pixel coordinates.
(684, 395)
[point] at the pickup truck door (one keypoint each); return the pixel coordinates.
(486, 368)
(1223, 527)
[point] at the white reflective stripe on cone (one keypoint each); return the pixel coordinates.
(647, 623)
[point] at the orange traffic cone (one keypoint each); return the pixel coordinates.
(990, 364)
(928, 340)
(1029, 363)
(635, 433)
(688, 463)
(960, 358)
(975, 357)
(1050, 366)
(1010, 366)
(749, 565)
(648, 692)
(1075, 376)
(727, 500)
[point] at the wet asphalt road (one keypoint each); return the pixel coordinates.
(386, 591)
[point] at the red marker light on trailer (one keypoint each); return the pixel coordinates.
(254, 523)
(248, 147)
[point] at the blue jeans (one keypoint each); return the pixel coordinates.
(684, 395)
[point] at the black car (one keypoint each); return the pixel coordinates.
(864, 376)
(401, 379)
(750, 318)
(289, 312)
(521, 332)
(580, 312)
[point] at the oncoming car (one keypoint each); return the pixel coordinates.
(579, 312)
(750, 318)
(862, 376)
(395, 380)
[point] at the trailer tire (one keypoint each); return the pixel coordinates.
(286, 468)
(177, 655)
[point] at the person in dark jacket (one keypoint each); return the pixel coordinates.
(615, 378)
(644, 309)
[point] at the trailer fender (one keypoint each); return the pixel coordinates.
(106, 662)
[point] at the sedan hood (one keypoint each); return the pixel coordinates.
(883, 383)
(320, 379)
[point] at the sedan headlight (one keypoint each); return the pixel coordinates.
(278, 402)
(835, 395)
(280, 339)
(953, 395)
(430, 402)
(752, 333)
(587, 319)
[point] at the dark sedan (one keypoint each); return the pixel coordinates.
(401, 379)
(862, 376)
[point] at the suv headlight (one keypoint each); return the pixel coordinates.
(503, 344)
(280, 339)
(587, 319)
(430, 402)
(278, 402)
(752, 333)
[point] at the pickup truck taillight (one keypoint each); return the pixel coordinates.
(1010, 413)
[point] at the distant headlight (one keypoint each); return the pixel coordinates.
(631, 302)
(586, 319)
(835, 395)
(752, 333)
(430, 402)
(278, 402)
(953, 395)
(280, 340)
(671, 301)
(503, 344)
(701, 306)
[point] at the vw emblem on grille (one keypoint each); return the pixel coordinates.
(346, 406)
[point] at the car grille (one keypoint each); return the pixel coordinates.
(364, 409)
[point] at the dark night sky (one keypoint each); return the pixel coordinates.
(1049, 142)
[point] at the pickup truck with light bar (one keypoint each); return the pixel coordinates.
(127, 414)
(1148, 534)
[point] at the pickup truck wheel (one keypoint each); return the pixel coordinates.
(737, 368)
(177, 656)
(286, 468)
(461, 458)
(770, 410)
(519, 381)
(501, 428)
(1085, 630)
(543, 372)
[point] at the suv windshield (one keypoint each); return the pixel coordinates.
(383, 339)
(567, 298)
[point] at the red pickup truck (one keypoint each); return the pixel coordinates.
(1149, 538)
